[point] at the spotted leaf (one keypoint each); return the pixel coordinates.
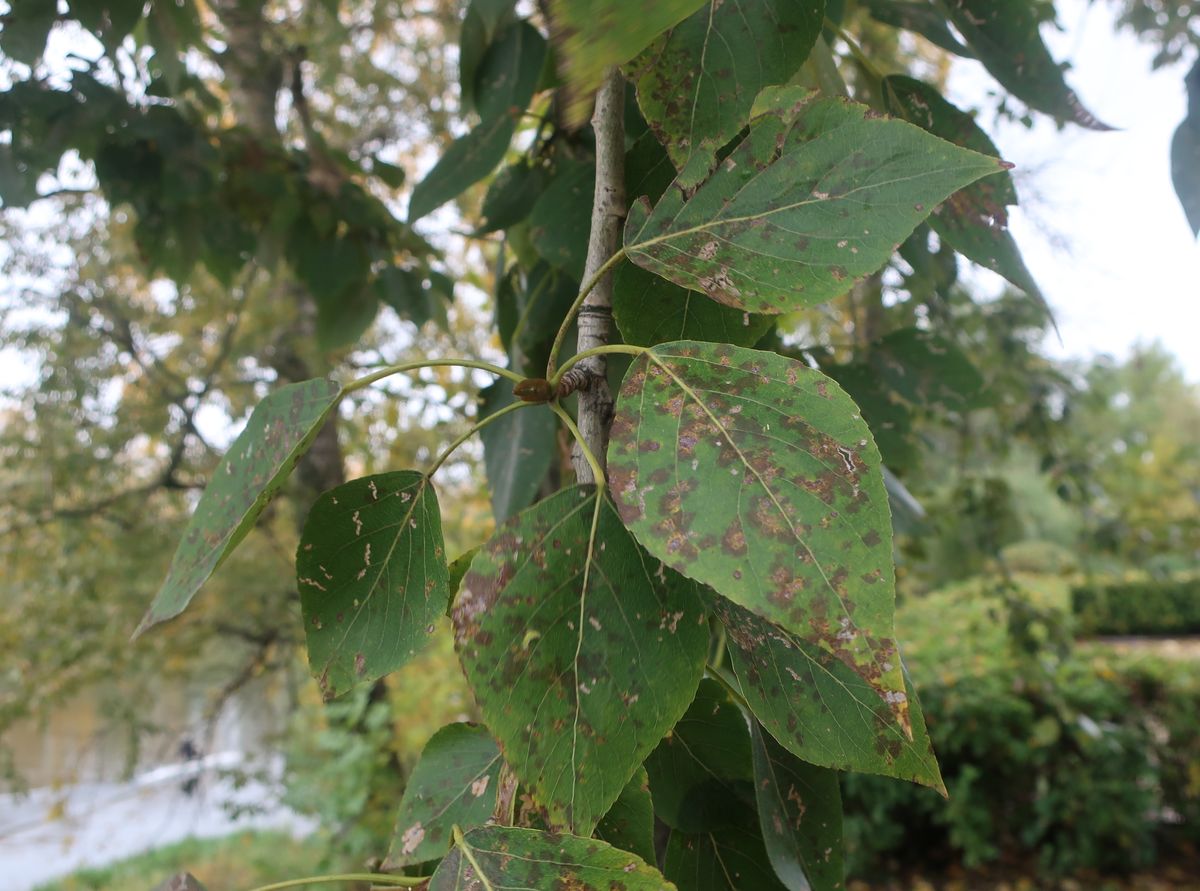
(279, 431)
(756, 475)
(371, 570)
(817, 193)
(454, 784)
(581, 651)
(499, 858)
(800, 812)
(818, 708)
(697, 84)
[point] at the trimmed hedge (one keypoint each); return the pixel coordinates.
(1165, 608)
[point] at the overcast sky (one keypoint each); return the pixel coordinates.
(1127, 268)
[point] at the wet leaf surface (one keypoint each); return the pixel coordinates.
(371, 571)
(800, 813)
(503, 859)
(279, 431)
(816, 195)
(580, 657)
(454, 784)
(756, 475)
(697, 83)
(819, 709)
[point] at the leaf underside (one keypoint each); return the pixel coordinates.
(581, 657)
(756, 475)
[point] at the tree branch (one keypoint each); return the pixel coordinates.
(595, 316)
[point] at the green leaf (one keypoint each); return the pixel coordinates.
(507, 78)
(921, 18)
(651, 310)
(697, 84)
(483, 21)
(974, 221)
(816, 195)
(889, 419)
(591, 35)
(389, 174)
(1185, 153)
(731, 859)
(498, 858)
(454, 784)
(531, 311)
(581, 654)
(404, 291)
(927, 370)
(279, 431)
(703, 765)
(343, 320)
(111, 19)
(562, 218)
(517, 450)
(26, 29)
(756, 475)
(371, 571)
(648, 168)
(1004, 35)
(629, 823)
(818, 708)
(512, 194)
(800, 812)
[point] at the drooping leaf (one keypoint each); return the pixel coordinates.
(756, 475)
(732, 858)
(517, 450)
(454, 784)
(629, 823)
(499, 858)
(371, 571)
(279, 431)
(927, 370)
(816, 195)
(507, 78)
(562, 218)
(1004, 35)
(800, 812)
(511, 196)
(343, 320)
(974, 221)
(530, 310)
(649, 310)
(1185, 153)
(696, 84)
(580, 652)
(591, 35)
(921, 18)
(404, 291)
(819, 709)
(703, 764)
(483, 21)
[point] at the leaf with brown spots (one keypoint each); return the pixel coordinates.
(800, 812)
(819, 709)
(498, 858)
(371, 571)
(279, 431)
(580, 650)
(974, 221)
(756, 475)
(454, 784)
(591, 35)
(697, 84)
(817, 194)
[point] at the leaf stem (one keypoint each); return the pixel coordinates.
(583, 447)
(389, 370)
(734, 693)
(461, 843)
(374, 878)
(475, 428)
(607, 349)
(587, 289)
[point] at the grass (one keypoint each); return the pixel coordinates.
(231, 863)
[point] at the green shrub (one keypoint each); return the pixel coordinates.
(1073, 757)
(1157, 607)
